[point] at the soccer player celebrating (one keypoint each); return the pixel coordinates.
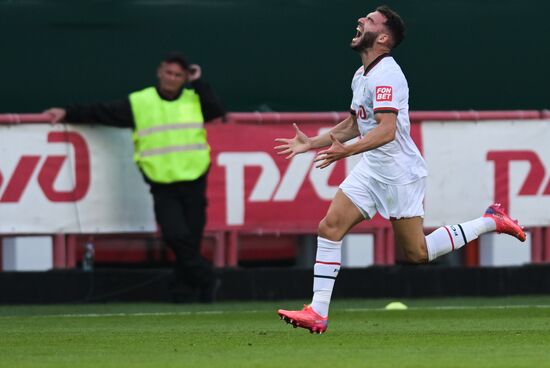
(390, 178)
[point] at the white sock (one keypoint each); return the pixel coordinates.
(327, 266)
(448, 238)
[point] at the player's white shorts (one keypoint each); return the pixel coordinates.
(391, 201)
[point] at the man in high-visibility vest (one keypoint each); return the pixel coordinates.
(172, 152)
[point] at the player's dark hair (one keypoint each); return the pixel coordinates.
(394, 23)
(176, 58)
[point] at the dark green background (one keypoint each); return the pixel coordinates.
(280, 55)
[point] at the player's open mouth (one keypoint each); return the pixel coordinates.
(358, 34)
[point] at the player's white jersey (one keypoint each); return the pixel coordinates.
(383, 88)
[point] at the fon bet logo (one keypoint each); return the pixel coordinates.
(383, 93)
(13, 187)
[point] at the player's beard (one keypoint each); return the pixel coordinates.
(367, 41)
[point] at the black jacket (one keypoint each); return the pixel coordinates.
(119, 113)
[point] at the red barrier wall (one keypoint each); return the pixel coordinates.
(227, 244)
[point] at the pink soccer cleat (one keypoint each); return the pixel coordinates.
(306, 318)
(504, 223)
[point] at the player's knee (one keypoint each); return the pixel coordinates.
(330, 230)
(418, 255)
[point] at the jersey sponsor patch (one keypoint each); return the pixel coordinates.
(383, 93)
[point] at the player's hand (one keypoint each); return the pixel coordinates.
(291, 147)
(57, 114)
(334, 153)
(195, 72)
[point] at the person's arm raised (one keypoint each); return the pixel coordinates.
(345, 130)
(379, 136)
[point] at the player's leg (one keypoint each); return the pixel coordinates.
(409, 235)
(451, 237)
(418, 248)
(341, 216)
(405, 210)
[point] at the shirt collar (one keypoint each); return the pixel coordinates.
(374, 62)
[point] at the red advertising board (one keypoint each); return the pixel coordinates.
(253, 188)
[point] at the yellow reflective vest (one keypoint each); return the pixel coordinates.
(169, 136)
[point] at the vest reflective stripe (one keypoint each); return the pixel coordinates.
(163, 128)
(169, 138)
(161, 151)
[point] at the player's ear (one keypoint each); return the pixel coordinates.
(384, 38)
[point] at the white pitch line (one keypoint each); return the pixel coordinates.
(218, 312)
(137, 314)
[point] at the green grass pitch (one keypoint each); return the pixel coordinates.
(466, 332)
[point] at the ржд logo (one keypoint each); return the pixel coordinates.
(49, 171)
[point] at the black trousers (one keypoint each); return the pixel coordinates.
(180, 211)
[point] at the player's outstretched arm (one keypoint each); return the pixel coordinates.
(382, 134)
(343, 131)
